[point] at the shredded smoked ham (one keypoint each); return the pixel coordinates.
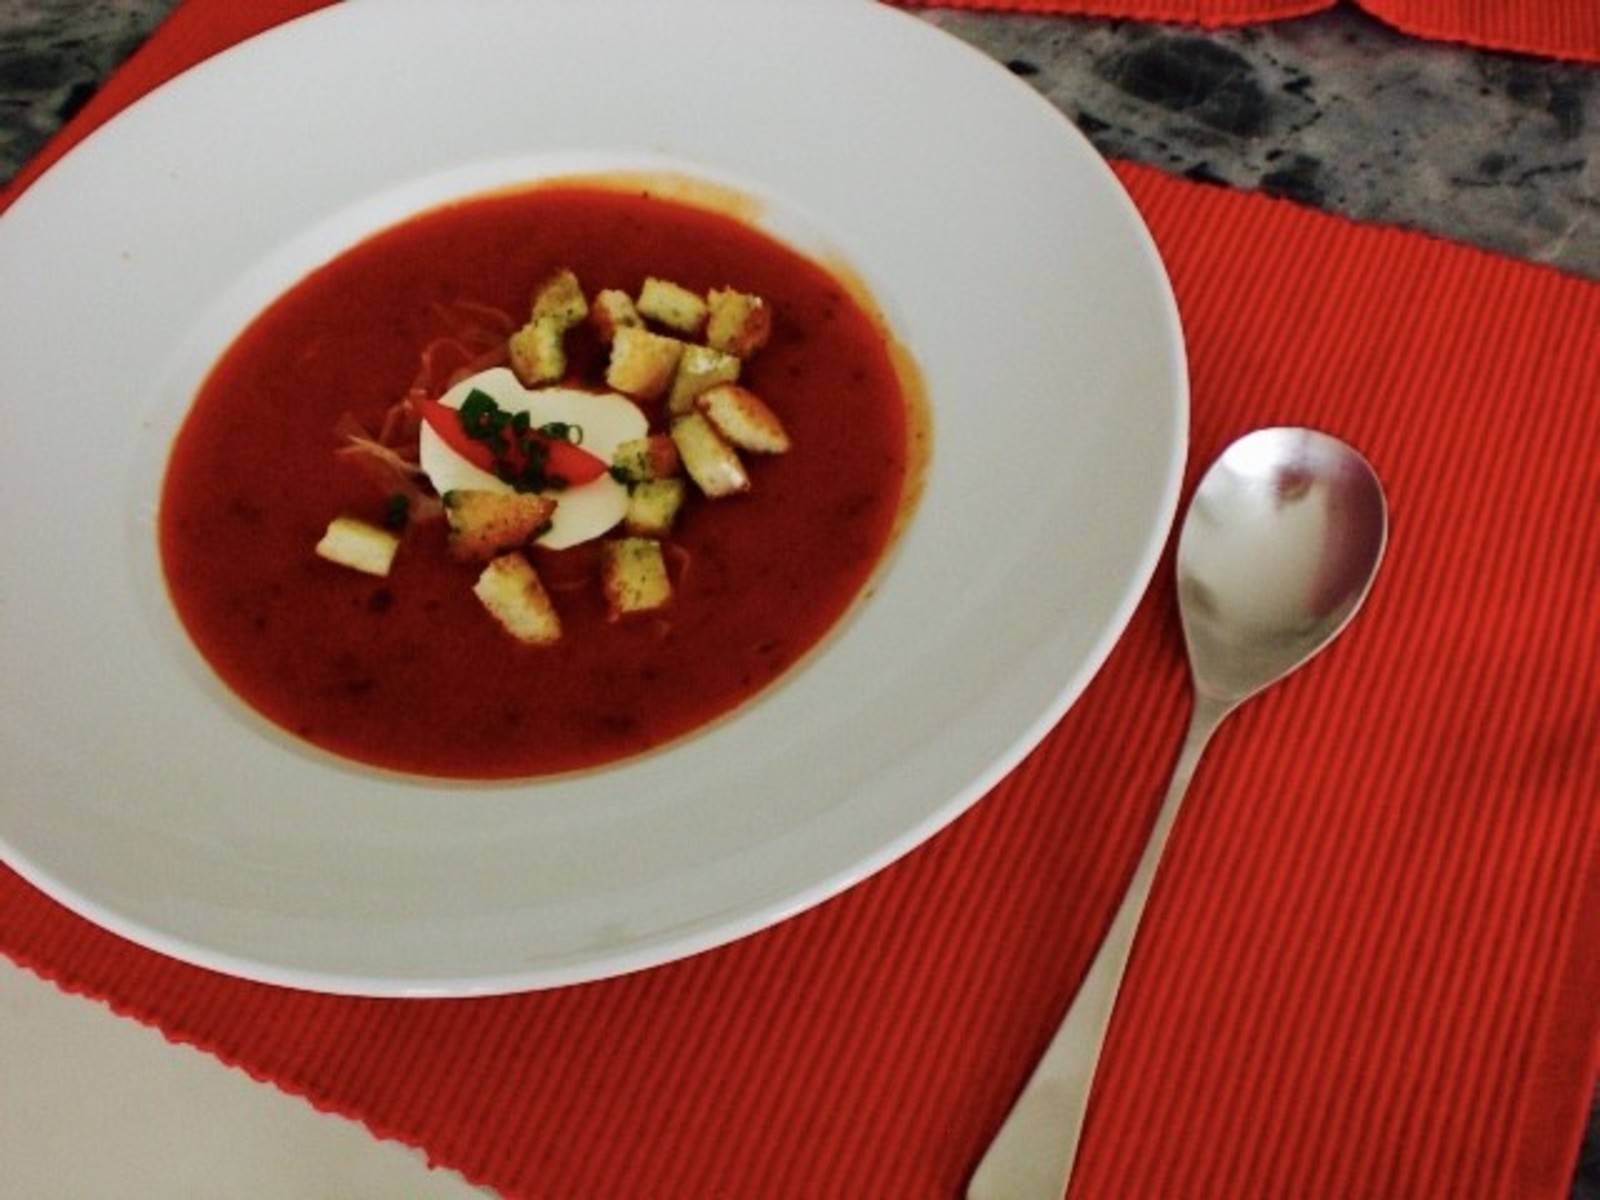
(474, 340)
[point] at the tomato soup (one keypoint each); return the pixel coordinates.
(409, 672)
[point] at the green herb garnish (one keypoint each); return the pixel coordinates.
(482, 418)
(396, 511)
(520, 453)
(561, 431)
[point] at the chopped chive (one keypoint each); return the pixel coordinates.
(396, 511)
(563, 431)
(481, 417)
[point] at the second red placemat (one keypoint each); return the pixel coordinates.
(1554, 28)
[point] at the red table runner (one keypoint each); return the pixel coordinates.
(1557, 28)
(1369, 966)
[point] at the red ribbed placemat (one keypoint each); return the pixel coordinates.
(1557, 28)
(1369, 965)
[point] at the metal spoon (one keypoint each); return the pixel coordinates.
(1278, 551)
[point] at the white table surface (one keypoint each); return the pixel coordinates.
(98, 1107)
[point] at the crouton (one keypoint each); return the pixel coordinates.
(740, 416)
(613, 310)
(737, 323)
(633, 576)
(653, 506)
(642, 363)
(510, 589)
(700, 368)
(560, 301)
(653, 457)
(538, 354)
(484, 523)
(675, 307)
(710, 461)
(358, 545)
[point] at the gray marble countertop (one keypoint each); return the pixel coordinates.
(1334, 111)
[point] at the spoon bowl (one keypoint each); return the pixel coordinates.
(1280, 547)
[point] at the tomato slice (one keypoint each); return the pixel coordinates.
(446, 422)
(571, 463)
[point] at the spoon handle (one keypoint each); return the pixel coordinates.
(1031, 1157)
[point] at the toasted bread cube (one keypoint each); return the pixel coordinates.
(710, 461)
(613, 310)
(633, 576)
(484, 523)
(358, 545)
(510, 589)
(642, 363)
(653, 506)
(675, 307)
(560, 301)
(743, 418)
(700, 368)
(736, 322)
(653, 457)
(538, 354)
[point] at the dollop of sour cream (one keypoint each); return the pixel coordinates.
(606, 419)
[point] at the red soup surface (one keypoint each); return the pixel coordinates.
(410, 672)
